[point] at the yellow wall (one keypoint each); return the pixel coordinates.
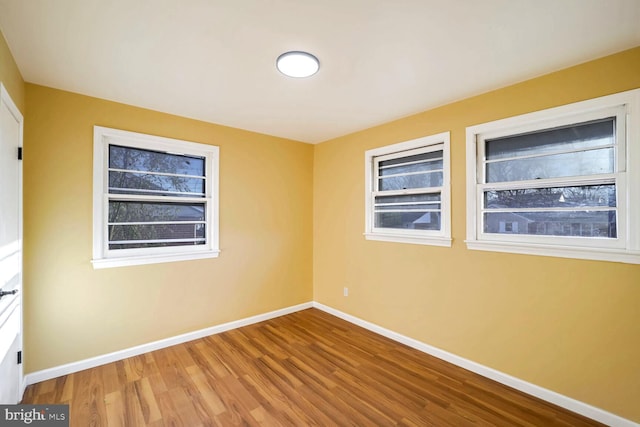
(74, 312)
(572, 326)
(10, 75)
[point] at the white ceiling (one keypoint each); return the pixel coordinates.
(214, 60)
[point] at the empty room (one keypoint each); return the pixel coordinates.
(292, 213)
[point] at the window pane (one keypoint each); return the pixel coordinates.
(150, 212)
(157, 232)
(408, 220)
(578, 136)
(423, 180)
(416, 167)
(138, 183)
(420, 207)
(138, 245)
(557, 197)
(564, 223)
(553, 166)
(408, 198)
(409, 202)
(154, 161)
(414, 158)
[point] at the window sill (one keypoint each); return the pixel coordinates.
(596, 254)
(151, 259)
(397, 238)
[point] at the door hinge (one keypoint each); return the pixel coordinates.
(20, 357)
(19, 153)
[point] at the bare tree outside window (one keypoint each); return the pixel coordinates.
(154, 223)
(551, 208)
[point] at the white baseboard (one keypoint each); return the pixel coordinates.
(542, 393)
(69, 368)
(516, 383)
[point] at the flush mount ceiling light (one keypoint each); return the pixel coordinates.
(297, 64)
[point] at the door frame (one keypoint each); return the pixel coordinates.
(6, 99)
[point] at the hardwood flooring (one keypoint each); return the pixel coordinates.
(303, 369)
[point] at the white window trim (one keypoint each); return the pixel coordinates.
(419, 237)
(626, 248)
(102, 256)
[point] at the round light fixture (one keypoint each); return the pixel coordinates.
(297, 64)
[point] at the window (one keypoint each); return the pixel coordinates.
(407, 192)
(155, 199)
(559, 182)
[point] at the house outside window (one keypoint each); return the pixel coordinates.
(560, 182)
(407, 192)
(155, 199)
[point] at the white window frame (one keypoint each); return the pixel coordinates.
(440, 237)
(626, 247)
(103, 257)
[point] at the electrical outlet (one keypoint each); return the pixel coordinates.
(346, 292)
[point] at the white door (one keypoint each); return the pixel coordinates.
(10, 250)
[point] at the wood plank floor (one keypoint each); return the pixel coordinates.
(303, 369)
